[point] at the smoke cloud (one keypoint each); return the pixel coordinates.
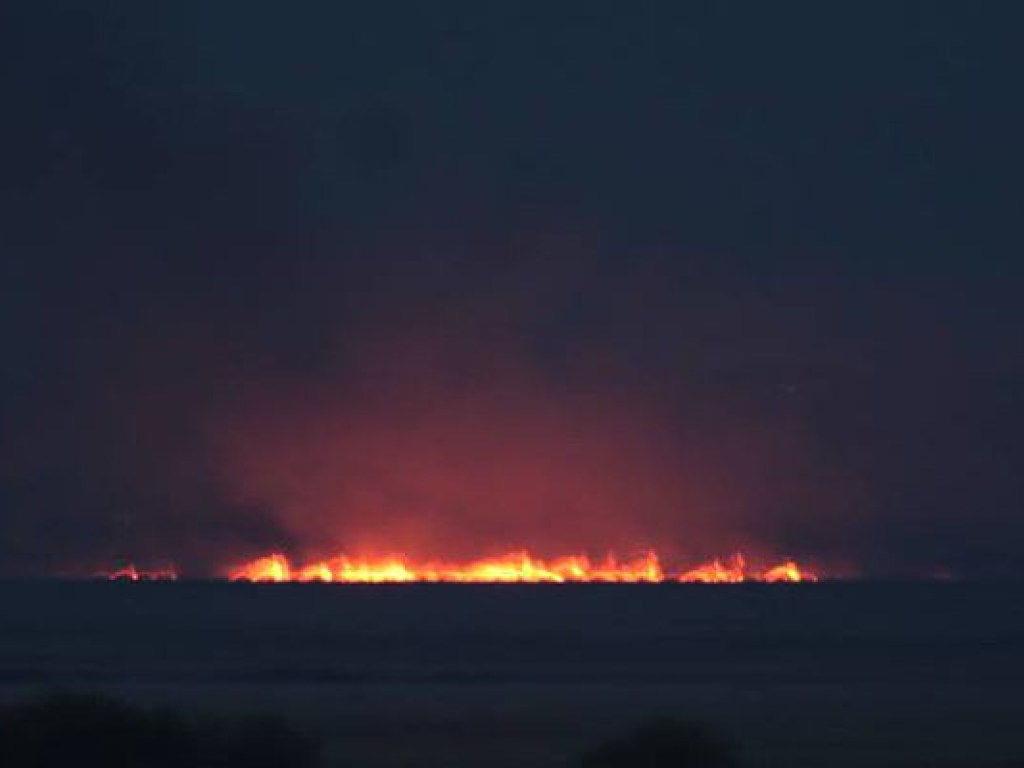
(443, 445)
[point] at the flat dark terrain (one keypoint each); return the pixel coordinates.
(865, 674)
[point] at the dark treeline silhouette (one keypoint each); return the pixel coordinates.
(64, 730)
(85, 731)
(664, 744)
(82, 731)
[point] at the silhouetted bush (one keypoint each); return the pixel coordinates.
(83, 731)
(664, 744)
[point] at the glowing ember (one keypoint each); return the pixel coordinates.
(131, 573)
(513, 567)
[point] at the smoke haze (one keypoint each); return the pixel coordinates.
(466, 281)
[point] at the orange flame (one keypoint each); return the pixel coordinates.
(513, 567)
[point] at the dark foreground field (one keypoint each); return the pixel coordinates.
(801, 675)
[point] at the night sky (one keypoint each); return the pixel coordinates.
(462, 277)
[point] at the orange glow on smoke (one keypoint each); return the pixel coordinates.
(513, 567)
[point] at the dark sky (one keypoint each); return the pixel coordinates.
(462, 276)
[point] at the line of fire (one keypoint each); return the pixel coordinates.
(515, 567)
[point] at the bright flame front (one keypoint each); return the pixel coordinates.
(520, 567)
